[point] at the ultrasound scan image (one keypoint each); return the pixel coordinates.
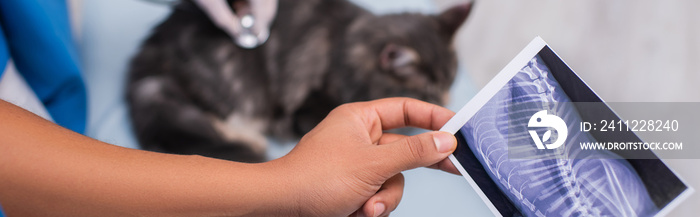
(591, 183)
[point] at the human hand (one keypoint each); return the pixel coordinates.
(348, 165)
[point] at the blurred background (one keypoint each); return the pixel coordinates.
(627, 51)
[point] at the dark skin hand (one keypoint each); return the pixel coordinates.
(345, 166)
(359, 163)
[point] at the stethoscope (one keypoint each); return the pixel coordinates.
(248, 30)
(247, 38)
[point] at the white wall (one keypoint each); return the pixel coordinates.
(627, 50)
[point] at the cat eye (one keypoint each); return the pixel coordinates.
(397, 56)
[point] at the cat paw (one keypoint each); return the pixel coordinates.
(237, 129)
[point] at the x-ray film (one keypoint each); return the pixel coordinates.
(529, 110)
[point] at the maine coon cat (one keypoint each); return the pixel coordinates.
(191, 90)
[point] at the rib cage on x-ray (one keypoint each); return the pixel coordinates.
(589, 185)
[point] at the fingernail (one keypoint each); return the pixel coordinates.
(379, 208)
(444, 142)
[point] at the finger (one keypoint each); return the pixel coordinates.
(447, 166)
(386, 199)
(389, 138)
(221, 14)
(421, 150)
(394, 113)
(444, 165)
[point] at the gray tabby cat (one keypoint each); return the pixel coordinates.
(191, 90)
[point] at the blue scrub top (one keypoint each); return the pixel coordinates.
(36, 35)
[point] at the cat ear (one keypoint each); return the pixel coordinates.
(451, 19)
(395, 56)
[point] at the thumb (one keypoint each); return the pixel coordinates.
(417, 151)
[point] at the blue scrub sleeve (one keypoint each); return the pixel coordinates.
(38, 37)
